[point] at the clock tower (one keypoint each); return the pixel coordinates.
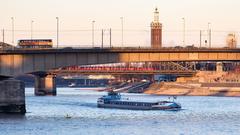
(156, 31)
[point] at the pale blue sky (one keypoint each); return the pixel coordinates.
(78, 14)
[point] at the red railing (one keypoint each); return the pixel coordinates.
(103, 68)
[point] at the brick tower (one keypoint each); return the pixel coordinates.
(156, 31)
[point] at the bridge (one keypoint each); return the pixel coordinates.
(19, 61)
(166, 68)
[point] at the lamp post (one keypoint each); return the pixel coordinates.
(209, 34)
(3, 36)
(93, 22)
(184, 31)
(122, 29)
(110, 40)
(102, 37)
(57, 19)
(200, 41)
(12, 30)
(32, 29)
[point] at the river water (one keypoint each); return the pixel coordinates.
(47, 116)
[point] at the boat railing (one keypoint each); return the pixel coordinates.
(125, 98)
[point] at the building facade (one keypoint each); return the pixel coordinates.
(156, 31)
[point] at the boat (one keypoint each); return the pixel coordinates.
(72, 85)
(75, 85)
(114, 100)
(68, 116)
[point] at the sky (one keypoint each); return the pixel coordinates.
(76, 18)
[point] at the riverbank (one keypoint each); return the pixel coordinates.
(204, 83)
(192, 89)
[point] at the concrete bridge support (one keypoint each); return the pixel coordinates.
(219, 67)
(12, 96)
(45, 85)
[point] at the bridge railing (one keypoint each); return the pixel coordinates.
(12, 48)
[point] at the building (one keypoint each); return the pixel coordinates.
(231, 41)
(156, 31)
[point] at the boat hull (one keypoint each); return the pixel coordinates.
(130, 107)
(124, 107)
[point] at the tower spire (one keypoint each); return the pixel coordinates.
(156, 15)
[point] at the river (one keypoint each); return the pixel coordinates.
(47, 115)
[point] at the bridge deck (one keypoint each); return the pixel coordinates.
(117, 50)
(20, 61)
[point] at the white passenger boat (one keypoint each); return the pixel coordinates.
(114, 100)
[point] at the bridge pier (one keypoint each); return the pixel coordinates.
(219, 67)
(12, 96)
(45, 85)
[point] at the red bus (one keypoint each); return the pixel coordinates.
(35, 43)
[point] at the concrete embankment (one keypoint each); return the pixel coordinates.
(195, 89)
(12, 96)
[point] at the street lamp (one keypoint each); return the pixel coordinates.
(184, 31)
(57, 31)
(122, 29)
(209, 34)
(110, 40)
(12, 30)
(200, 41)
(32, 29)
(3, 36)
(93, 22)
(102, 37)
